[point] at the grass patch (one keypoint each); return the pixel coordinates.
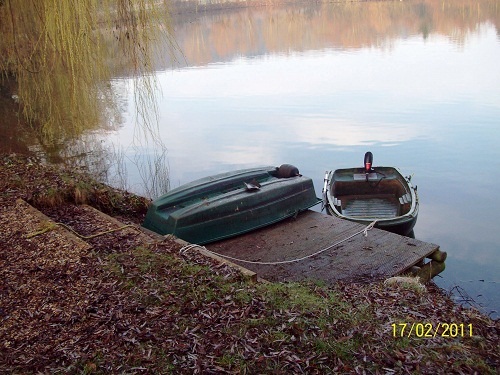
(344, 349)
(291, 296)
(231, 360)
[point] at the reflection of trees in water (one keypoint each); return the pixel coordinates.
(88, 153)
(222, 36)
(154, 172)
(61, 56)
(92, 154)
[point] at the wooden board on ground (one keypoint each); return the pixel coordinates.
(379, 255)
(39, 239)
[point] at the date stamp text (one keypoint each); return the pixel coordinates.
(430, 330)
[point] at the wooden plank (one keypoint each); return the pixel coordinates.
(245, 271)
(33, 223)
(377, 256)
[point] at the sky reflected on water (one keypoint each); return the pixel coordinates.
(430, 106)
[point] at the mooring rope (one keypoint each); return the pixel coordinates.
(52, 227)
(364, 231)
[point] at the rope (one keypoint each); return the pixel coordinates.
(97, 234)
(364, 231)
(369, 227)
(41, 231)
(52, 227)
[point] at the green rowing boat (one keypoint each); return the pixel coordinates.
(232, 203)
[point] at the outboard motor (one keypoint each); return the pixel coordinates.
(368, 164)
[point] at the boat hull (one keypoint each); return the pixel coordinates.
(223, 206)
(403, 227)
(384, 196)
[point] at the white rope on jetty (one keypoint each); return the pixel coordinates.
(364, 231)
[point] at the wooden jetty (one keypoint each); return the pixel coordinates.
(342, 251)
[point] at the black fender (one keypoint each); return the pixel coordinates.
(287, 170)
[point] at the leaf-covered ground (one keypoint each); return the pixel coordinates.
(120, 305)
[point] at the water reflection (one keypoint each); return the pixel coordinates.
(255, 31)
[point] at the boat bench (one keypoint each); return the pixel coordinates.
(372, 206)
(392, 187)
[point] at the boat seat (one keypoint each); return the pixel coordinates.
(405, 199)
(337, 202)
(372, 207)
(360, 187)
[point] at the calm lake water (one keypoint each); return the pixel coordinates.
(415, 82)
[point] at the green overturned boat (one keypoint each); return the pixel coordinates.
(228, 204)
